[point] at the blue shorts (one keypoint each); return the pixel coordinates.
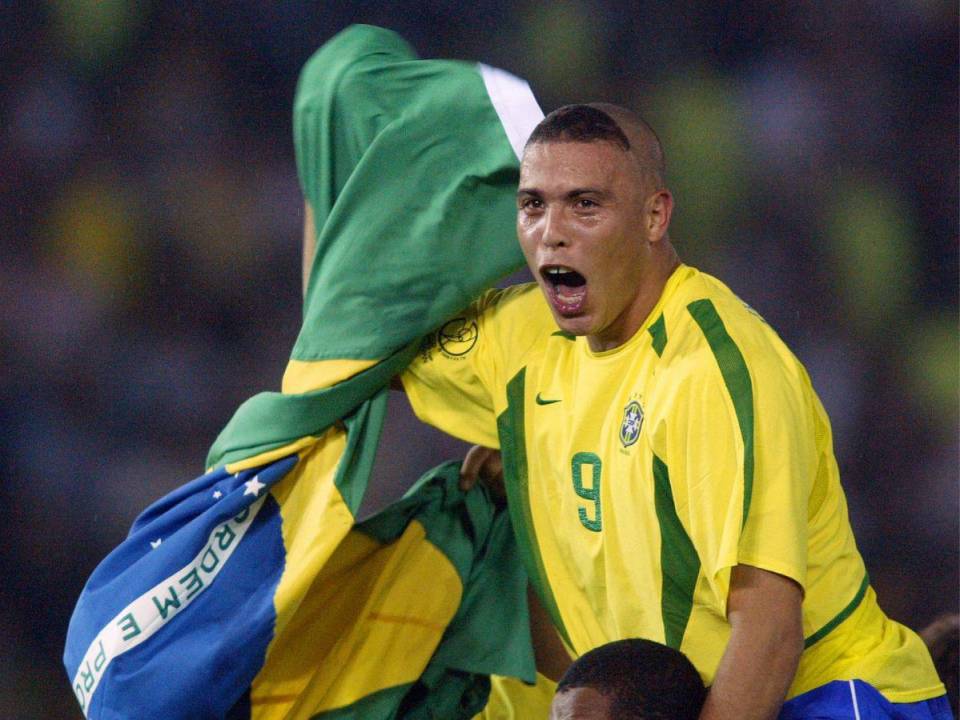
(857, 700)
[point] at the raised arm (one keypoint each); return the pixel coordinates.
(309, 243)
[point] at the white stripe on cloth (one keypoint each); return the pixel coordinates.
(515, 104)
(853, 696)
(150, 612)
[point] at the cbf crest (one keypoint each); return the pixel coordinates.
(632, 422)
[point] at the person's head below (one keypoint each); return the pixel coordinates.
(942, 638)
(629, 680)
(593, 212)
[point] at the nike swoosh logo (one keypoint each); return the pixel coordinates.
(541, 401)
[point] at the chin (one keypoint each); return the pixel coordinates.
(577, 325)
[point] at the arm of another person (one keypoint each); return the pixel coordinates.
(766, 641)
(309, 244)
(484, 465)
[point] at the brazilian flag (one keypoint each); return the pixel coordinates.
(252, 591)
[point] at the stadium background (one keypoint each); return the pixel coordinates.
(151, 221)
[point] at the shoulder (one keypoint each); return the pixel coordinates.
(516, 318)
(507, 322)
(516, 304)
(714, 336)
(519, 308)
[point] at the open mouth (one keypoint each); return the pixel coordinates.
(558, 275)
(566, 289)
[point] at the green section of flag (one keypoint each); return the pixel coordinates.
(411, 177)
(382, 704)
(270, 420)
(459, 697)
(413, 205)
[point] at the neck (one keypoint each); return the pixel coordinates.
(634, 315)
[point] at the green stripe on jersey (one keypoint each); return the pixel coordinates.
(679, 562)
(564, 334)
(658, 331)
(513, 448)
(840, 616)
(737, 379)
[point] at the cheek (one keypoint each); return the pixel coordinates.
(620, 269)
(628, 253)
(528, 242)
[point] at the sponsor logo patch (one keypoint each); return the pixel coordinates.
(458, 336)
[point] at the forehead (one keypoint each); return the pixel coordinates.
(581, 703)
(549, 164)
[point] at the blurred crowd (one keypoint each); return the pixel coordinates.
(150, 226)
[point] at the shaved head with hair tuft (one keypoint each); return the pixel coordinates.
(644, 143)
(606, 122)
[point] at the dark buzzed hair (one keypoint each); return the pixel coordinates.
(579, 123)
(595, 122)
(643, 680)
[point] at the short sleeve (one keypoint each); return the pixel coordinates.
(449, 383)
(739, 446)
(775, 525)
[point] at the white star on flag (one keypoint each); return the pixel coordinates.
(217, 494)
(253, 487)
(156, 543)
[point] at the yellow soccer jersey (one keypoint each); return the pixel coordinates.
(638, 477)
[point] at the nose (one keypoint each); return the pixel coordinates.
(554, 234)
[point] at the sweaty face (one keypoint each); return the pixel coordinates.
(580, 222)
(580, 703)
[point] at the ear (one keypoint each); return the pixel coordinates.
(659, 208)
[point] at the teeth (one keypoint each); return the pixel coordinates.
(561, 275)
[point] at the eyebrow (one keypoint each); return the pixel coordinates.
(570, 194)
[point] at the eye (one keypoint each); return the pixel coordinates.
(531, 203)
(586, 204)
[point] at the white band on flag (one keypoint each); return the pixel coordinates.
(139, 620)
(515, 104)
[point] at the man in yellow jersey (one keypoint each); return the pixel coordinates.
(669, 468)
